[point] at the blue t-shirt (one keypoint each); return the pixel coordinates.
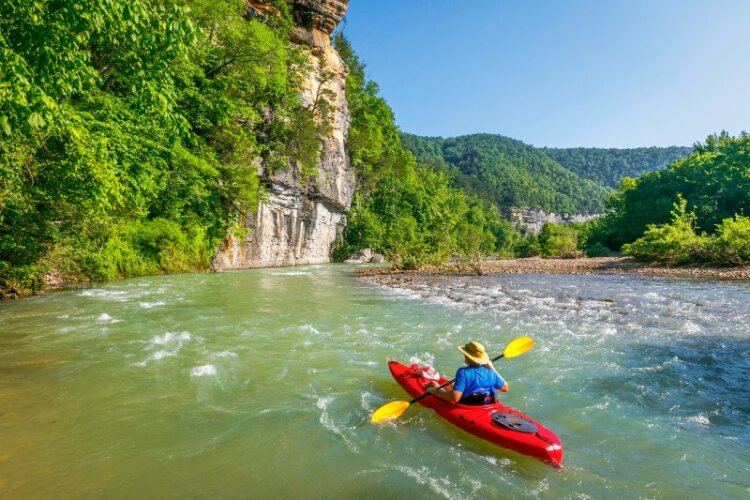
(477, 380)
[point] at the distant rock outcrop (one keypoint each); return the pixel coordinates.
(531, 221)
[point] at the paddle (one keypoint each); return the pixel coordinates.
(394, 409)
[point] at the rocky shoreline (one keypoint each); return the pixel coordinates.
(583, 266)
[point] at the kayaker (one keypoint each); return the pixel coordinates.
(475, 383)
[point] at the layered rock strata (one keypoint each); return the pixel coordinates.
(531, 221)
(299, 222)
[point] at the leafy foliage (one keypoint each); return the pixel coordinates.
(731, 244)
(714, 181)
(130, 129)
(673, 243)
(608, 166)
(559, 240)
(677, 242)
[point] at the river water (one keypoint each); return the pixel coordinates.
(259, 384)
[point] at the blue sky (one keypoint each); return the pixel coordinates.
(561, 73)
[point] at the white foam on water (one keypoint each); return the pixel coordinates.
(115, 295)
(658, 367)
(309, 329)
(440, 485)
(699, 419)
(151, 305)
(423, 359)
(203, 371)
(170, 337)
(609, 330)
(104, 317)
(156, 356)
(691, 327)
(225, 354)
(328, 423)
(364, 401)
(162, 354)
(541, 487)
(654, 296)
(600, 406)
(165, 346)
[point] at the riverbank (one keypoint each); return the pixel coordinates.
(583, 266)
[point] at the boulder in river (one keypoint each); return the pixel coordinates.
(364, 256)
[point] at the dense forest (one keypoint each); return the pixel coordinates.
(511, 173)
(608, 166)
(508, 173)
(694, 211)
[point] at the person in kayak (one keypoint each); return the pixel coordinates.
(475, 383)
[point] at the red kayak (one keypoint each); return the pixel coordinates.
(496, 423)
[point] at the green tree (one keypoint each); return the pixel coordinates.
(558, 240)
(674, 243)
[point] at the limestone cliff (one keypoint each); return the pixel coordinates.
(531, 220)
(299, 221)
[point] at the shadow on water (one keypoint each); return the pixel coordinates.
(702, 378)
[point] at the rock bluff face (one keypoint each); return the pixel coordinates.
(532, 220)
(300, 221)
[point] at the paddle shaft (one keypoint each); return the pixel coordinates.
(425, 394)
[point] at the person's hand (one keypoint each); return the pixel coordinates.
(504, 388)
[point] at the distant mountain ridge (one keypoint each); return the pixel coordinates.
(608, 166)
(511, 173)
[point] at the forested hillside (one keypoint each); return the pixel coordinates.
(508, 173)
(403, 207)
(609, 166)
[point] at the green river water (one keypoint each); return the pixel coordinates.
(259, 384)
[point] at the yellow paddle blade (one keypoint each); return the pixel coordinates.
(518, 346)
(389, 411)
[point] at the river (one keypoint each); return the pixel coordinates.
(259, 384)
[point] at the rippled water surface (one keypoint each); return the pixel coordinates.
(259, 384)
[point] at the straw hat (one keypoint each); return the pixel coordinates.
(475, 352)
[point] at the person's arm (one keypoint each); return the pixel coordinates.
(453, 394)
(504, 385)
(449, 395)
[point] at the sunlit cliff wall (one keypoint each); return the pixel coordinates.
(300, 221)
